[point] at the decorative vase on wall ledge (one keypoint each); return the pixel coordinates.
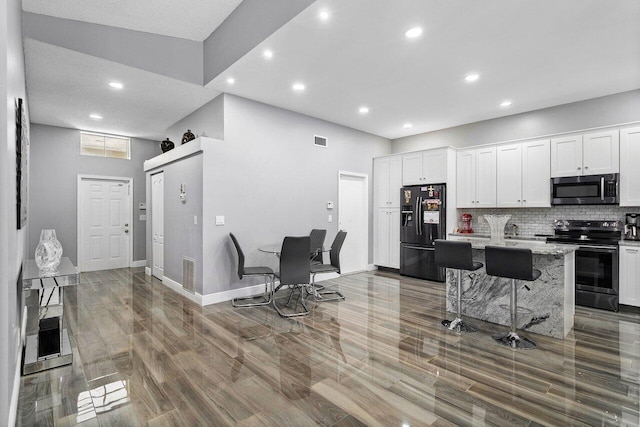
(48, 253)
(496, 224)
(188, 136)
(167, 145)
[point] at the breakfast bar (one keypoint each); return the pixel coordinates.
(546, 308)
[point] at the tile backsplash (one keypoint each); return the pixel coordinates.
(532, 221)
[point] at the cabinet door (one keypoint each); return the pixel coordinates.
(629, 167)
(394, 238)
(465, 179)
(434, 166)
(395, 181)
(412, 169)
(566, 156)
(486, 177)
(381, 169)
(536, 174)
(509, 176)
(601, 153)
(381, 237)
(630, 275)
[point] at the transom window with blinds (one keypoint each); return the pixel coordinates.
(97, 144)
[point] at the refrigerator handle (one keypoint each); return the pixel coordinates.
(416, 216)
(420, 219)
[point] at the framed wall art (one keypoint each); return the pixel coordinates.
(22, 162)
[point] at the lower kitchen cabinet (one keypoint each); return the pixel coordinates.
(630, 274)
(386, 238)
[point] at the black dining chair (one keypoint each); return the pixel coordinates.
(334, 267)
(266, 272)
(317, 244)
(294, 272)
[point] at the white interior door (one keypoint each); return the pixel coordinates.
(157, 224)
(104, 211)
(353, 218)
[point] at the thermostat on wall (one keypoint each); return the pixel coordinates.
(329, 205)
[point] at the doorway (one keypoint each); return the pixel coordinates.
(104, 222)
(353, 217)
(157, 225)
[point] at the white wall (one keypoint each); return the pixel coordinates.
(12, 241)
(604, 111)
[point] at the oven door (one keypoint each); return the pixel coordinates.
(597, 277)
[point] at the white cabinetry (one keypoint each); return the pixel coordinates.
(387, 179)
(523, 175)
(425, 167)
(630, 166)
(476, 178)
(589, 154)
(630, 275)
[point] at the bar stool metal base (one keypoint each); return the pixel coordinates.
(458, 326)
(513, 340)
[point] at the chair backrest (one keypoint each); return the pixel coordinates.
(294, 261)
(317, 242)
(240, 255)
(336, 246)
(513, 263)
(452, 254)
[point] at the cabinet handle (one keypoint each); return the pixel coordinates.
(586, 167)
(518, 200)
(579, 168)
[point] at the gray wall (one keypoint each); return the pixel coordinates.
(55, 165)
(12, 241)
(607, 110)
(270, 181)
(208, 120)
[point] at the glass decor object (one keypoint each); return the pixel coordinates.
(496, 224)
(48, 252)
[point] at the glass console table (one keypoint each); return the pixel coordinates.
(46, 343)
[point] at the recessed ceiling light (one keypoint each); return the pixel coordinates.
(472, 77)
(299, 87)
(116, 85)
(267, 54)
(95, 116)
(407, 125)
(231, 80)
(505, 103)
(413, 33)
(363, 110)
(324, 15)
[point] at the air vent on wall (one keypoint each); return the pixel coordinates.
(320, 141)
(188, 274)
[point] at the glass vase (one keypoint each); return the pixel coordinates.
(496, 224)
(48, 252)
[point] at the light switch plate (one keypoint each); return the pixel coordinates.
(195, 220)
(330, 218)
(219, 219)
(143, 217)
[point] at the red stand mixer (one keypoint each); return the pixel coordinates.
(465, 224)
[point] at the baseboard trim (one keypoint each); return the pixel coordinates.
(15, 394)
(140, 263)
(147, 271)
(371, 267)
(172, 284)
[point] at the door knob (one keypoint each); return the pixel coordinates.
(126, 230)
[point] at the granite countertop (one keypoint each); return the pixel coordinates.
(537, 246)
(542, 239)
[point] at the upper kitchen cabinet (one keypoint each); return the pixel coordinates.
(425, 167)
(476, 178)
(629, 169)
(387, 181)
(589, 154)
(523, 174)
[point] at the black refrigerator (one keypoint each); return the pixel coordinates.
(423, 220)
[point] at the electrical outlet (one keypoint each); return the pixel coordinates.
(219, 219)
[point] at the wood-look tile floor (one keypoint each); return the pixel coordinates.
(145, 356)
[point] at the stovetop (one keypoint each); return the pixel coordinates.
(587, 232)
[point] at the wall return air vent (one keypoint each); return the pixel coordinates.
(320, 141)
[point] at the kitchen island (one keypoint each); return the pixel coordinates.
(547, 308)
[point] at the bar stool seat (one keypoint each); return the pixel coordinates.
(456, 255)
(514, 264)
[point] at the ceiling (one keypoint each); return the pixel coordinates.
(535, 53)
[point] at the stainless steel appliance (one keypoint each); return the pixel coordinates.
(585, 190)
(423, 220)
(596, 269)
(631, 231)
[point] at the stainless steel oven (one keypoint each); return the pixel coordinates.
(585, 190)
(597, 278)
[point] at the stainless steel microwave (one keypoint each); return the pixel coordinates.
(585, 190)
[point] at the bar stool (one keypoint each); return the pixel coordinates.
(456, 255)
(515, 264)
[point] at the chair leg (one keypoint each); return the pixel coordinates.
(511, 338)
(457, 325)
(289, 315)
(318, 296)
(267, 297)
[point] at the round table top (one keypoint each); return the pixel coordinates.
(276, 248)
